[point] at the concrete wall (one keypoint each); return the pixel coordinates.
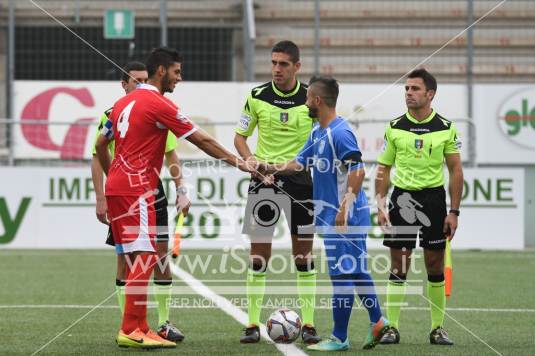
(3, 94)
(530, 206)
(3, 71)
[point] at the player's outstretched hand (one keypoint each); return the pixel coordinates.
(268, 179)
(102, 211)
(384, 221)
(340, 221)
(183, 204)
(450, 226)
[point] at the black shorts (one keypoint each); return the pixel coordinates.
(289, 194)
(162, 219)
(425, 210)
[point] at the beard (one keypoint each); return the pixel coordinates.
(313, 112)
(166, 84)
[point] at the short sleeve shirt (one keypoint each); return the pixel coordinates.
(170, 144)
(139, 123)
(326, 151)
(417, 150)
(281, 118)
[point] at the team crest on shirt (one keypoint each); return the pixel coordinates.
(418, 143)
(321, 147)
(284, 117)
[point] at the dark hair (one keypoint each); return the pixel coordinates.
(130, 66)
(162, 56)
(289, 48)
(328, 89)
(428, 79)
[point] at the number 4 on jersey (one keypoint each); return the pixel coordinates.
(122, 122)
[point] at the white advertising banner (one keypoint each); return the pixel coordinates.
(216, 107)
(54, 208)
(505, 123)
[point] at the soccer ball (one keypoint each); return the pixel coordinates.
(284, 326)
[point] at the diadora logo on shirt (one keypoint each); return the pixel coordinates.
(419, 129)
(283, 102)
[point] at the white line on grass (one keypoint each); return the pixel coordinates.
(82, 306)
(229, 308)
(73, 324)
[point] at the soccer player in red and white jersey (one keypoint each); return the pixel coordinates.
(138, 123)
(135, 73)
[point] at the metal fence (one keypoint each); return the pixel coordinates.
(362, 41)
(56, 143)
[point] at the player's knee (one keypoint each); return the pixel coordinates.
(435, 278)
(163, 281)
(258, 266)
(260, 260)
(397, 277)
(435, 267)
(304, 266)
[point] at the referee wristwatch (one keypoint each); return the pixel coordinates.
(181, 191)
(455, 211)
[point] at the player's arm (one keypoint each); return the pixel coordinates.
(240, 142)
(182, 127)
(211, 147)
(382, 179)
(173, 164)
(453, 162)
(354, 184)
(103, 154)
(346, 147)
(246, 127)
(101, 145)
(284, 169)
(382, 183)
(455, 168)
(97, 176)
(301, 161)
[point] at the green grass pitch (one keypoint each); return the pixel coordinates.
(46, 291)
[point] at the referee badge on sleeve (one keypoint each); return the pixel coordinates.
(245, 120)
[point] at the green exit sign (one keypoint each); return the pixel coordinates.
(119, 24)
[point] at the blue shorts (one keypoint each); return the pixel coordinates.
(346, 254)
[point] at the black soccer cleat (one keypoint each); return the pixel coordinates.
(252, 335)
(310, 335)
(439, 336)
(390, 337)
(170, 332)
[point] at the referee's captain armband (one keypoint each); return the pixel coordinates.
(107, 130)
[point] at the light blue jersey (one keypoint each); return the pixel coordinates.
(330, 152)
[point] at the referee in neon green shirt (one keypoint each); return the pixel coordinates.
(277, 109)
(417, 144)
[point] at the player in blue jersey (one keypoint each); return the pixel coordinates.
(342, 214)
